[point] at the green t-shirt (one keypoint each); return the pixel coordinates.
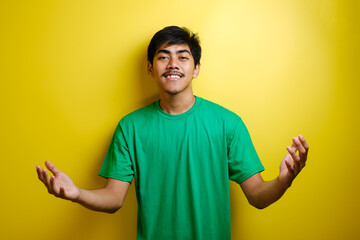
(181, 165)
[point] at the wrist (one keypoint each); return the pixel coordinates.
(77, 198)
(285, 182)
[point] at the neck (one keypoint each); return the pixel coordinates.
(176, 104)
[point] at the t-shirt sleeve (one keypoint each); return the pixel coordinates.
(117, 163)
(243, 160)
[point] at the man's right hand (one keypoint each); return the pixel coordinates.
(60, 185)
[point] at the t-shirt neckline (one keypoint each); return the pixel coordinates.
(181, 115)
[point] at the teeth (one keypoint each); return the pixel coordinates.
(173, 76)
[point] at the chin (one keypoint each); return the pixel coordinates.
(172, 92)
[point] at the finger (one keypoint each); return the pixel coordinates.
(38, 171)
(62, 192)
(289, 167)
(52, 168)
(45, 177)
(294, 147)
(40, 174)
(296, 159)
(306, 147)
(301, 149)
(52, 188)
(304, 143)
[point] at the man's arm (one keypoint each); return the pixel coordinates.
(262, 193)
(108, 199)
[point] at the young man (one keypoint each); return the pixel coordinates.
(181, 152)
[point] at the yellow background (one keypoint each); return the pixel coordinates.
(71, 69)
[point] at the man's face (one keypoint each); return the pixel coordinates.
(173, 69)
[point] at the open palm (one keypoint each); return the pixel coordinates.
(60, 185)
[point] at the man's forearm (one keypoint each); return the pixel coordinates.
(260, 193)
(101, 200)
(267, 192)
(108, 199)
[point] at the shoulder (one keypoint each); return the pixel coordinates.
(138, 116)
(216, 109)
(227, 118)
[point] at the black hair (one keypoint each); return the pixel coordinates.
(175, 35)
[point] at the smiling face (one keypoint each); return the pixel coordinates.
(173, 69)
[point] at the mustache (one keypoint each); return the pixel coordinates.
(173, 72)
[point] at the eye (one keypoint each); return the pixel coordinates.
(184, 58)
(163, 57)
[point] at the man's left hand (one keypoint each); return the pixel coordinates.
(295, 159)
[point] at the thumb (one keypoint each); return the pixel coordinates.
(52, 168)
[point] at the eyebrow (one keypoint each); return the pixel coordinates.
(177, 52)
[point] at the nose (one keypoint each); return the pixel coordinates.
(172, 64)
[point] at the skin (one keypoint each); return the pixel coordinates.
(260, 193)
(173, 69)
(176, 94)
(108, 199)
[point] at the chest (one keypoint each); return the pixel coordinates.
(169, 137)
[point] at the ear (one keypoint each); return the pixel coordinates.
(150, 69)
(196, 70)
